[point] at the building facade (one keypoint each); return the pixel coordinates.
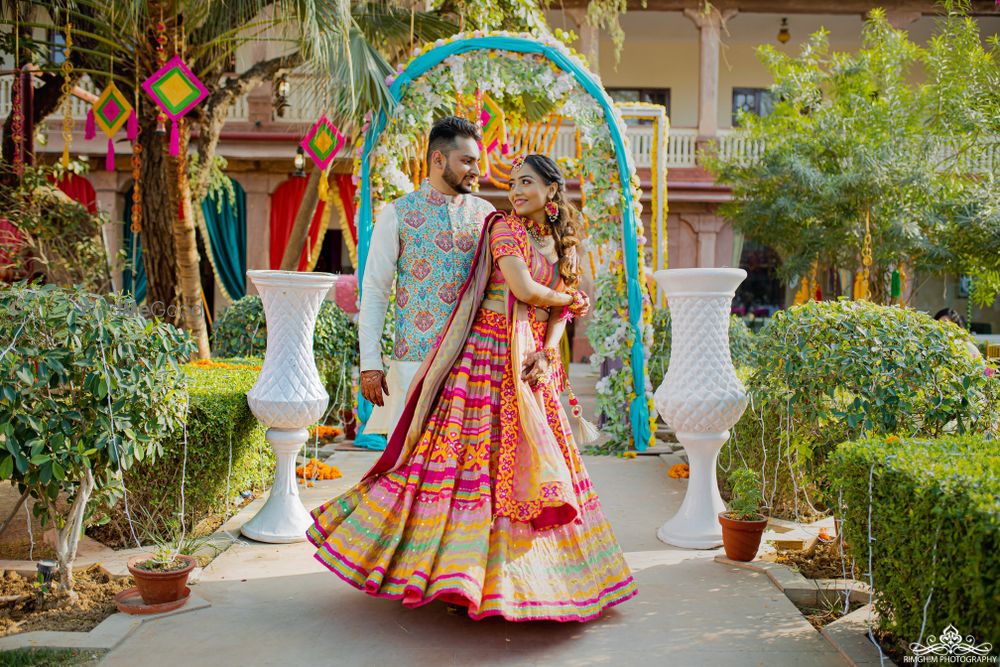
(697, 61)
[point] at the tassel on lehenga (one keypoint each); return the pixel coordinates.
(589, 433)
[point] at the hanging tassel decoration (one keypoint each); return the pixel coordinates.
(324, 188)
(90, 128)
(132, 129)
(895, 286)
(175, 139)
(589, 433)
(109, 158)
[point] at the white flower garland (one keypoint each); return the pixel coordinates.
(507, 73)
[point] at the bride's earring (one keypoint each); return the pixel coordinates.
(552, 211)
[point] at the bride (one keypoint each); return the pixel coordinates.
(481, 498)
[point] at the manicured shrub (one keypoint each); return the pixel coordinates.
(227, 456)
(88, 389)
(741, 345)
(935, 529)
(828, 372)
(242, 332)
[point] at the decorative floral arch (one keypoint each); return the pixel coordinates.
(514, 64)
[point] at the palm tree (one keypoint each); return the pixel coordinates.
(334, 41)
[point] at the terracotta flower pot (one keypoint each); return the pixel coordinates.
(160, 587)
(741, 539)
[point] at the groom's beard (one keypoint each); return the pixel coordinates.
(453, 180)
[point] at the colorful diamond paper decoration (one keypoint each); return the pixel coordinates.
(175, 89)
(322, 142)
(111, 110)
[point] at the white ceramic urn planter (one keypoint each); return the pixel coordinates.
(700, 397)
(289, 395)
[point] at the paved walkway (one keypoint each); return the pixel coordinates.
(275, 605)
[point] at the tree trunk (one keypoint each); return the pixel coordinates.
(68, 538)
(188, 268)
(158, 215)
(300, 230)
(13, 512)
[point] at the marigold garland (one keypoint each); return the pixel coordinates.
(315, 470)
(679, 471)
(325, 432)
(212, 364)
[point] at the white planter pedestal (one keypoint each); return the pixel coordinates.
(288, 396)
(700, 396)
(696, 524)
(284, 518)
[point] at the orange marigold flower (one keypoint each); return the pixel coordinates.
(679, 471)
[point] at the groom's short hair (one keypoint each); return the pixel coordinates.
(445, 131)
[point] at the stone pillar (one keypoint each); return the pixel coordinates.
(589, 43)
(713, 239)
(109, 201)
(709, 22)
(258, 188)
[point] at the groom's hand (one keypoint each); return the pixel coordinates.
(373, 385)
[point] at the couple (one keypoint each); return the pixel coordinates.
(480, 499)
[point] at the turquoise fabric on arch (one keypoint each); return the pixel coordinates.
(227, 232)
(227, 235)
(133, 284)
(638, 409)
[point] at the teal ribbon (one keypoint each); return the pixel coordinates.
(227, 235)
(638, 409)
(227, 240)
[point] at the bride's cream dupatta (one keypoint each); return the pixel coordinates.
(542, 484)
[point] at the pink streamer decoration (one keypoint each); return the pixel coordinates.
(90, 128)
(109, 158)
(175, 140)
(133, 126)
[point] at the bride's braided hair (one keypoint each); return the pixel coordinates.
(566, 228)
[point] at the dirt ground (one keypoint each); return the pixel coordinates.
(23, 608)
(822, 561)
(16, 542)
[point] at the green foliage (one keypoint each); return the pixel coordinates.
(935, 520)
(86, 385)
(744, 505)
(611, 337)
(50, 657)
(226, 456)
(828, 372)
(852, 134)
(61, 238)
(242, 332)
(741, 344)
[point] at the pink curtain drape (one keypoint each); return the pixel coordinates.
(284, 206)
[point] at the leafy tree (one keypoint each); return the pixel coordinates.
(87, 389)
(852, 138)
(333, 41)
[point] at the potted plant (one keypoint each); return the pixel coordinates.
(743, 525)
(161, 577)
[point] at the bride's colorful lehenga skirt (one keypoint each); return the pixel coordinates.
(427, 530)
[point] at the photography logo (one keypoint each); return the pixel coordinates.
(951, 648)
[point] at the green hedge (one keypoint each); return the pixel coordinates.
(833, 371)
(219, 414)
(935, 524)
(241, 331)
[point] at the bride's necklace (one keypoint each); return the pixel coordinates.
(540, 232)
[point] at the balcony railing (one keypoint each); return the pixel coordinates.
(303, 103)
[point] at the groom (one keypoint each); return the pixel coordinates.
(424, 240)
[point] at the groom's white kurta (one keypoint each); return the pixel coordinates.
(466, 215)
